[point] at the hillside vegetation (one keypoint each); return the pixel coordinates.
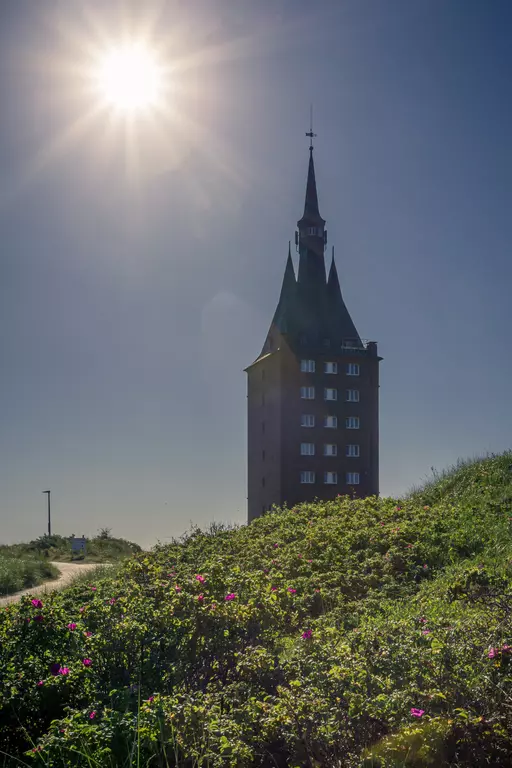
(348, 634)
(103, 548)
(17, 573)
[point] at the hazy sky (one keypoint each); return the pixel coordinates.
(140, 265)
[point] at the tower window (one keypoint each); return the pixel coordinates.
(330, 367)
(330, 449)
(352, 369)
(307, 449)
(330, 478)
(307, 420)
(307, 477)
(352, 422)
(314, 231)
(352, 395)
(307, 366)
(352, 478)
(330, 394)
(331, 422)
(307, 393)
(352, 451)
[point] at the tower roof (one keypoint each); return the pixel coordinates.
(311, 213)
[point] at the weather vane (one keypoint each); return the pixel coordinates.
(310, 133)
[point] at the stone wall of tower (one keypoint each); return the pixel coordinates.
(264, 407)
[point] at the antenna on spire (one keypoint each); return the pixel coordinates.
(310, 133)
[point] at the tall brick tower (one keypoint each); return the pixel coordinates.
(313, 392)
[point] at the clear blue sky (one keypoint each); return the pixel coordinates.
(139, 270)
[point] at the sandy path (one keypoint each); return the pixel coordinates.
(67, 573)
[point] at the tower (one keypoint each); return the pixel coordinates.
(313, 392)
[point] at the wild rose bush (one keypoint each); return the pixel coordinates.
(351, 633)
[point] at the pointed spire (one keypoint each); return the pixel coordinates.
(333, 282)
(311, 212)
(289, 273)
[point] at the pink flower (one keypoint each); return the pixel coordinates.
(409, 546)
(230, 596)
(87, 662)
(151, 698)
(417, 712)
(200, 578)
(273, 589)
(200, 598)
(213, 606)
(425, 566)
(178, 589)
(82, 609)
(492, 653)
(276, 546)
(300, 555)
(112, 600)
(72, 626)
(398, 509)
(41, 682)
(36, 603)
(423, 620)
(382, 522)
(310, 561)
(88, 634)
(307, 634)
(92, 715)
(291, 590)
(317, 589)
(64, 671)
(94, 589)
(425, 632)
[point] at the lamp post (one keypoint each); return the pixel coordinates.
(49, 516)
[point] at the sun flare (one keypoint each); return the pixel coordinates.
(130, 78)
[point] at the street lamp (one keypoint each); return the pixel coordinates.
(49, 517)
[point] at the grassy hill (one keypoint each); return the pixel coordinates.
(350, 633)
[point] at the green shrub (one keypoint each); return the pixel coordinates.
(352, 633)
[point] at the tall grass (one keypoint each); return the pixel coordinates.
(17, 574)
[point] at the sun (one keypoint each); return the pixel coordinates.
(129, 78)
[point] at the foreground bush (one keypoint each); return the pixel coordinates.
(350, 633)
(17, 574)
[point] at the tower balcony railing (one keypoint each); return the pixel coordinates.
(352, 347)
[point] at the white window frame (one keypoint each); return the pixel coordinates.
(330, 367)
(306, 417)
(352, 478)
(353, 369)
(307, 477)
(307, 393)
(352, 422)
(331, 426)
(330, 449)
(352, 451)
(330, 393)
(330, 478)
(352, 395)
(307, 449)
(307, 366)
